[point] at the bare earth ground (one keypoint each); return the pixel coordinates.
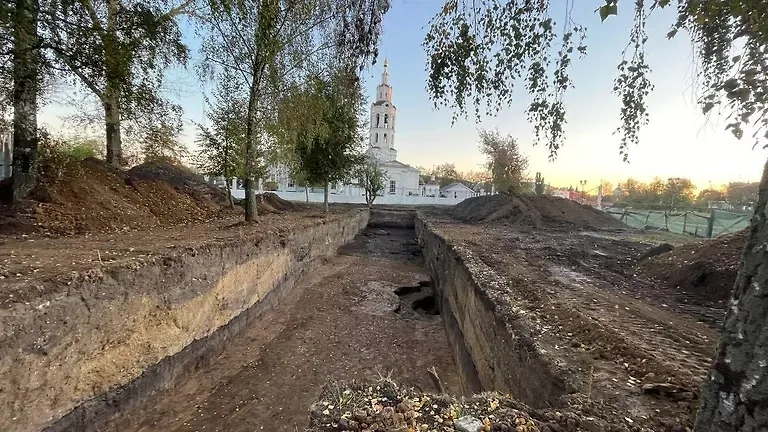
(340, 323)
(620, 328)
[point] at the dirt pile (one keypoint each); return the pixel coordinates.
(270, 203)
(92, 196)
(277, 203)
(181, 179)
(707, 269)
(532, 211)
(384, 406)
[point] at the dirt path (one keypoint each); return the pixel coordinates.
(344, 322)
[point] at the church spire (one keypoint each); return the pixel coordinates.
(385, 74)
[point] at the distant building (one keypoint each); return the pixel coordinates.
(6, 154)
(570, 195)
(720, 205)
(457, 191)
(432, 188)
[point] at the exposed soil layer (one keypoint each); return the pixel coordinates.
(576, 297)
(99, 322)
(706, 269)
(341, 322)
(532, 211)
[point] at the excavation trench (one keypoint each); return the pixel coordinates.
(393, 302)
(367, 313)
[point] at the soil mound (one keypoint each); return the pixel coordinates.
(532, 211)
(270, 203)
(180, 178)
(706, 269)
(93, 196)
(278, 203)
(656, 251)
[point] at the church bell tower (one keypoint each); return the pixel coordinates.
(383, 114)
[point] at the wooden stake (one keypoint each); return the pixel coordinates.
(436, 379)
(589, 389)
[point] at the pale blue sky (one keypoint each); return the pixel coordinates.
(677, 142)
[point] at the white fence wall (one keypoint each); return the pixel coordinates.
(358, 199)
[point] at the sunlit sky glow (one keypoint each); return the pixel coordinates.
(679, 141)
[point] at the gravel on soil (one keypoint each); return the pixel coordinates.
(384, 405)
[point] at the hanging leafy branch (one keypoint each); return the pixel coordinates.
(731, 41)
(632, 85)
(478, 51)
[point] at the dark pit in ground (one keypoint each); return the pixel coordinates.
(419, 298)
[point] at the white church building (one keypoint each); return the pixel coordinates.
(402, 184)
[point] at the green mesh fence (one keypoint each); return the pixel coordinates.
(701, 224)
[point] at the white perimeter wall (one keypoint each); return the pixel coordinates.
(358, 199)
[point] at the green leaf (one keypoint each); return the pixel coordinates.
(608, 10)
(671, 33)
(708, 107)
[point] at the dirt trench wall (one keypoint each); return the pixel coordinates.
(115, 337)
(392, 218)
(492, 340)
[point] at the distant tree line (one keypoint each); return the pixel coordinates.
(677, 193)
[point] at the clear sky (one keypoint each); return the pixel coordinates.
(679, 141)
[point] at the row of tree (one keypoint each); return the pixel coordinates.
(679, 192)
(273, 62)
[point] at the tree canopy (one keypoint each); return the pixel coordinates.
(506, 164)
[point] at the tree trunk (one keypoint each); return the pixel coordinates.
(325, 197)
(735, 395)
(229, 193)
(26, 59)
(114, 77)
(114, 139)
(251, 153)
(306, 191)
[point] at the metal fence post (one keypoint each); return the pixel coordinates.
(711, 223)
(685, 220)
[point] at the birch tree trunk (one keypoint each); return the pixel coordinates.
(112, 91)
(112, 124)
(325, 197)
(229, 193)
(735, 395)
(26, 59)
(251, 152)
